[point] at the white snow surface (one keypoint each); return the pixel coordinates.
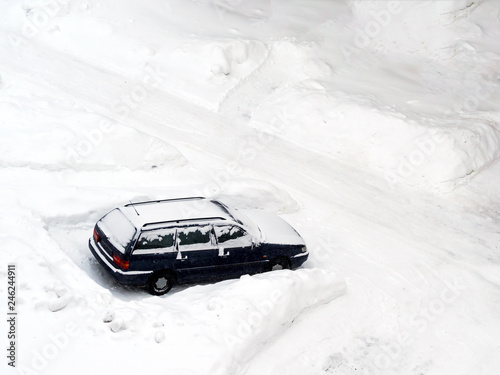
(372, 127)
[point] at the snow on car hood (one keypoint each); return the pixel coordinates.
(273, 228)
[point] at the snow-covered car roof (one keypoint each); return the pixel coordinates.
(173, 210)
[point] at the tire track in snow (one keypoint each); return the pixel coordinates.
(208, 138)
(338, 185)
(269, 76)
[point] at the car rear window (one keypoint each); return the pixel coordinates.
(155, 241)
(118, 229)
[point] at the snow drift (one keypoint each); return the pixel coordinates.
(371, 126)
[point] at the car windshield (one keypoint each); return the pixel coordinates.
(118, 229)
(247, 224)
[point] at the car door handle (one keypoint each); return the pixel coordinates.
(223, 253)
(180, 257)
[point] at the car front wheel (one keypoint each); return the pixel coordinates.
(280, 263)
(160, 283)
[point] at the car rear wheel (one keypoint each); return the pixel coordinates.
(279, 263)
(161, 282)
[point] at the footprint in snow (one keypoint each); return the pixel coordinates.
(59, 302)
(159, 336)
(108, 317)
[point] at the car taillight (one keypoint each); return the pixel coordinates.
(123, 264)
(97, 238)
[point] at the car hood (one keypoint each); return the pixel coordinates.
(273, 229)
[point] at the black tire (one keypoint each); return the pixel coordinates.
(279, 263)
(161, 282)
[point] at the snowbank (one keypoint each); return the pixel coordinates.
(105, 102)
(214, 327)
(360, 131)
(73, 138)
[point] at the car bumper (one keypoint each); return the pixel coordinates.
(299, 259)
(122, 276)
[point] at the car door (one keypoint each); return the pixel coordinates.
(196, 253)
(154, 250)
(237, 253)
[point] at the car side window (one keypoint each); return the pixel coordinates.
(232, 236)
(195, 238)
(155, 241)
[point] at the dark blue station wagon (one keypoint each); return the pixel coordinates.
(186, 240)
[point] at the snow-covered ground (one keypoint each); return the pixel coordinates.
(373, 127)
